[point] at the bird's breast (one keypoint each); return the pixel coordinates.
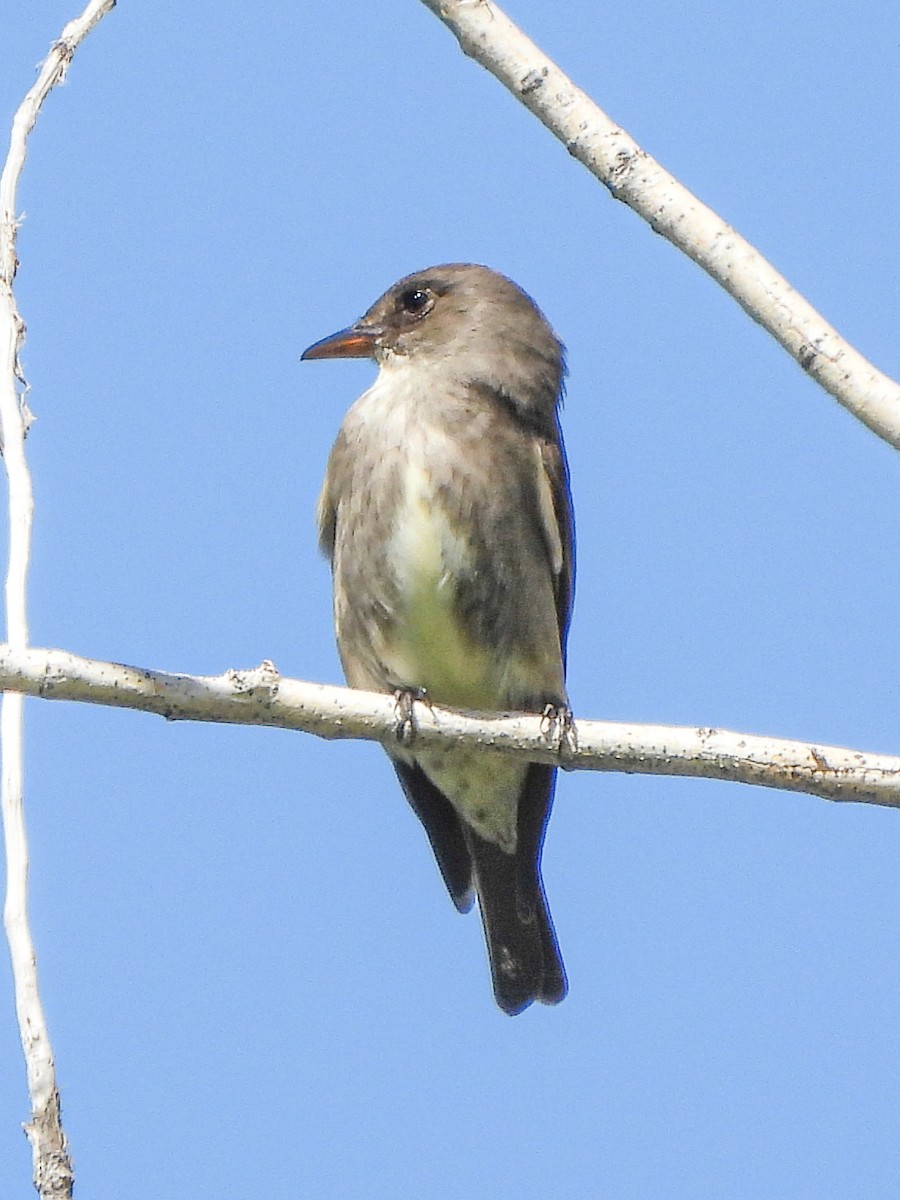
(431, 553)
(430, 648)
(419, 473)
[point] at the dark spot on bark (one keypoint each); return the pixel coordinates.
(533, 81)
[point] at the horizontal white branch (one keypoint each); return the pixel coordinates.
(487, 35)
(261, 696)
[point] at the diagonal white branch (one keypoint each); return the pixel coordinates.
(486, 34)
(51, 1164)
(262, 697)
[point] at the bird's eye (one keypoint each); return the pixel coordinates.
(416, 301)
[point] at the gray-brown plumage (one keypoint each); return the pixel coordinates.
(447, 519)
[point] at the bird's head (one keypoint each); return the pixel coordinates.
(473, 324)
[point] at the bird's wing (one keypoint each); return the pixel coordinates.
(555, 503)
(444, 830)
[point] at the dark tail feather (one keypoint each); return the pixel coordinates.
(525, 961)
(524, 955)
(554, 983)
(534, 812)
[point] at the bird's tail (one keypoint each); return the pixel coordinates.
(526, 964)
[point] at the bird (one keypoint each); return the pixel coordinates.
(446, 515)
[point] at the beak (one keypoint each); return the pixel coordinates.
(356, 342)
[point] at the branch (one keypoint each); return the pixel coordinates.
(487, 35)
(262, 697)
(51, 1164)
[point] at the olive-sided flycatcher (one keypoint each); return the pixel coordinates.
(447, 518)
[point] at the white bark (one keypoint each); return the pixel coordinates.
(486, 34)
(262, 697)
(51, 1164)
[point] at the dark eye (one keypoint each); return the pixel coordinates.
(415, 301)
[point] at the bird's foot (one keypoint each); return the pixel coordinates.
(558, 727)
(405, 729)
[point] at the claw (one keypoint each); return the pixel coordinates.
(558, 727)
(405, 729)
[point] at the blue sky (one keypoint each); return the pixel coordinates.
(254, 980)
